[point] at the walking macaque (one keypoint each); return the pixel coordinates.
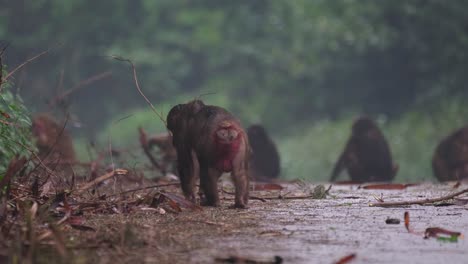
(264, 160)
(367, 155)
(209, 141)
(450, 161)
(52, 140)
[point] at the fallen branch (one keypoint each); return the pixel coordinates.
(420, 202)
(279, 197)
(101, 179)
(145, 188)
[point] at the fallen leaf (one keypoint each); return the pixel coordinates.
(437, 232)
(346, 259)
(407, 221)
(177, 202)
(267, 187)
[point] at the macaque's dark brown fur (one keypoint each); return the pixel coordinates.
(52, 140)
(450, 161)
(367, 155)
(264, 160)
(209, 141)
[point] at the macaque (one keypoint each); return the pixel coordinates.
(367, 155)
(209, 141)
(52, 140)
(264, 161)
(168, 152)
(450, 161)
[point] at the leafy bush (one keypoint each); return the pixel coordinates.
(14, 129)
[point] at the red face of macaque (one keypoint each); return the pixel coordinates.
(227, 142)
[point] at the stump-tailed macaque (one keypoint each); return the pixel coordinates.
(367, 155)
(264, 163)
(450, 161)
(209, 141)
(52, 140)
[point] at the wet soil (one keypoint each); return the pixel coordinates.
(298, 231)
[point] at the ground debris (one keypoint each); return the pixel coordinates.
(242, 260)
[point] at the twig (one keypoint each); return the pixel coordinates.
(135, 78)
(420, 202)
(145, 188)
(26, 62)
(100, 179)
(81, 84)
(279, 197)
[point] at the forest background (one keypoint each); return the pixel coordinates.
(304, 69)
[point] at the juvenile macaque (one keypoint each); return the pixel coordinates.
(450, 161)
(264, 160)
(209, 141)
(168, 152)
(367, 155)
(52, 140)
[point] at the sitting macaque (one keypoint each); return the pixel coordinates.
(450, 161)
(52, 140)
(264, 162)
(168, 152)
(367, 155)
(209, 141)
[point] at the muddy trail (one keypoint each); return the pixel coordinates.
(312, 230)
(272, 230)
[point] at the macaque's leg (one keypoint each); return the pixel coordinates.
(188, 176)
(209, 185)
(240, 178)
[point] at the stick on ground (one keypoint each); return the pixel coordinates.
(420, 202)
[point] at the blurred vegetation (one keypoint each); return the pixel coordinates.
(303, 68)
(15, 136)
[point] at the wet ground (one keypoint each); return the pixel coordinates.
(298, 231)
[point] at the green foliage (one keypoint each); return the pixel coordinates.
(15, 134)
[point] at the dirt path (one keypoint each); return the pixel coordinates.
(299, 231)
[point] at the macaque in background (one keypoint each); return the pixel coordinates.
(168, 152)
(367, 155)
(53, 142)
(209, 141)
(264, 160)
(450, 161)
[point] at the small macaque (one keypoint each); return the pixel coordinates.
(167, 150)
(209, 141)
(54, 143)
(264, 162)
(450, 161)
(367, 155)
